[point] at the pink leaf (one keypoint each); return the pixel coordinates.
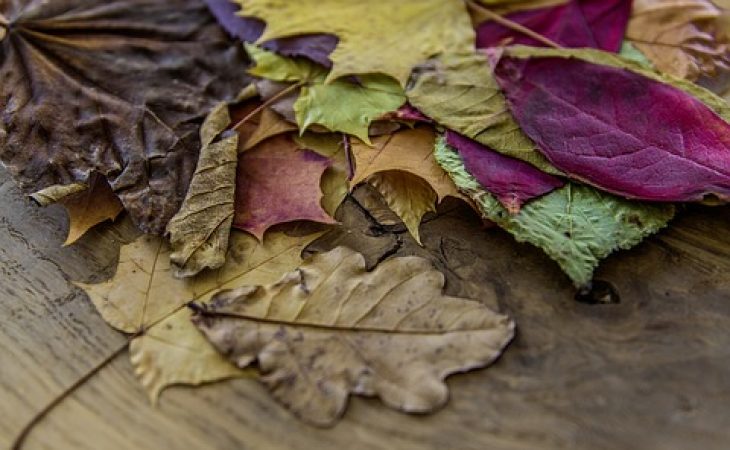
(578, 23)
(512, 181)
(619, 131)
(277, 182)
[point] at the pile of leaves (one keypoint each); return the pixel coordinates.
(577, 126)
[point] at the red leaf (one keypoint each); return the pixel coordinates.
(578, 23)
(277, 182)
(618, 130)
(512, 181)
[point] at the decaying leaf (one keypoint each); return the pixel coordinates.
(57, 192)
(583, 118)
(375, 37)
(278, 182)
(117, 88)
(409, 151)
(330, 328)
(199, 231)
(577, 226)
(682, 37)
(270, 124)
(407, 195)
(335, 184)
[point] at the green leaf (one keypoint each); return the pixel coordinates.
(577, 226)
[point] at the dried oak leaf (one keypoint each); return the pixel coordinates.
(143, 295)
(278, 182)
(199, 230)
(375, 37)
(330, 328)
(685, 38)
(114, 87)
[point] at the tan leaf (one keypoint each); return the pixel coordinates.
(410, 151)
(54, 194)
(270, 124)
(330, 328)
(680, 36)
(408, 195)
(334, 182)
(199, 231)
(143, 295)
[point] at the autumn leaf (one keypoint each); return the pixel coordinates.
(316, 47)
(407, 195)
(511, 181)
(583, 118)
(577, 23)
(143, 295)
(375, 37)
(330, 328)
(335, 183)
(270, 124)
(341, 105)
(681, 37)
(199, 231)
(577, 226)
(278, 182)
(88, 85)
(86, 206)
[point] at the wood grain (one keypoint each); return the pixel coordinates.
(650, 372)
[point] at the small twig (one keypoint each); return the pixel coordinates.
(511, 24)
(268, 102)
(348, 156)
(20, 439)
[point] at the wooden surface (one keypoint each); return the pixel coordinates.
(649, 372)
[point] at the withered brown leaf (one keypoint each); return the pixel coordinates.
(118, 87)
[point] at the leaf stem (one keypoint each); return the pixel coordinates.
(268, 102)
(20, 439)
(511, 24)
(348, 156)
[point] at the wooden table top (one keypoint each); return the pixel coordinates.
(649, 372)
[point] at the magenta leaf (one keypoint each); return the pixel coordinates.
(619, 131)
(511, 181)
(578, 23)
(316, 47)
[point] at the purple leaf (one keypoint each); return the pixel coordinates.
(619, 131)
(316, 47)
(512, 181)
(578, 23)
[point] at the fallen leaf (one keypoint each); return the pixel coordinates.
(330, 328)
(335, 184)
(460, 93)
(577, 23)
(57, 192)
(270, 124)
(577, 226)
(583, 118)
(681, 37)
(375, 37)
(407, 195)
(118, 88)
(143, 295)
(199, 231)
(278, 182)
(511, 181)
(408, 151)
(316, 47)
(342, 105)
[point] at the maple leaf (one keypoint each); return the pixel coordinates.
(577, 226)
(581, 113)
(331, 328)
(511, 181)
(335, 183)
(143, 295)
(407, 195)
(118, 88)
(375, 37)
(577, 23)
(86, 206)
(270, 124)
(199, 230)
(681, 37)
(278, 182)
(341, 105)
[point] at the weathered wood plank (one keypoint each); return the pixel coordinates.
(652, 371)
